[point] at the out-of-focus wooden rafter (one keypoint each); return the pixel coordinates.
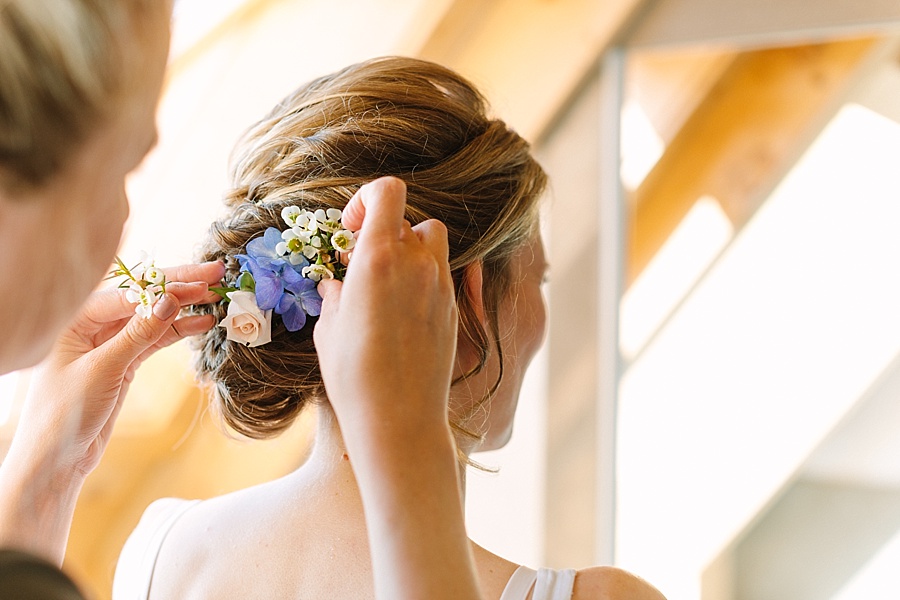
(741, 138)
(527, 55)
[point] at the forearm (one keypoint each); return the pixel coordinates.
(415, 517)
(37, 500)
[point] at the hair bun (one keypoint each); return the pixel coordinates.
(390, 116)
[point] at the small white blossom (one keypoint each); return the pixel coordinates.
(290, 214)
(147, 258)
(294, 245)
(317, 272)
(154, 275)
(306, 222)
(144, 297)
(328, 220)
(343, 240)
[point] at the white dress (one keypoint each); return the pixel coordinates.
(134, 572)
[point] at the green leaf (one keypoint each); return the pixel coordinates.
(246, 283)
(221, 291)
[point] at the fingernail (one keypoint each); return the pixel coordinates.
(165, 307)
(192, 286)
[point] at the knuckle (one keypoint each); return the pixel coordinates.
(390, 185)
(141, 332)
(435, 226)
(381, 260)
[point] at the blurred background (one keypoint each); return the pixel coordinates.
(717, 406)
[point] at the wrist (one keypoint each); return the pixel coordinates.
(38, 492)
(400, 440)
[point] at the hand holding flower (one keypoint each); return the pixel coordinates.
(76, 395)
(395, 309)
(386, 341)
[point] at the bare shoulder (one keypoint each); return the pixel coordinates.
(611, 583)
(135, 565)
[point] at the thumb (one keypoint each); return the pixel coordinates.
(330, 290)
(140, 333)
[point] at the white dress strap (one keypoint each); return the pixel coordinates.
(519, 584)
(134, 571)
(554, 585)
(548, 584)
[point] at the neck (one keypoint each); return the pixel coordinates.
(330, 466)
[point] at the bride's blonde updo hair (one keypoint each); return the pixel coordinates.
(390, 116)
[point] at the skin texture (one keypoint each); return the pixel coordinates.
(523, 322)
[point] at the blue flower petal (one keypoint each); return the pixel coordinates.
(275, 265)
(312, 302)
(268, 284)
(264, 247)
(268, 291)
(291, 312)
(243, 259)
(305, 290)
(296, 283)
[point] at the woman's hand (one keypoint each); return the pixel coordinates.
(386, 341)
(74, 398)
(387, 333)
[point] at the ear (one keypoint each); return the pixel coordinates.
(466, 354)
(474, 280)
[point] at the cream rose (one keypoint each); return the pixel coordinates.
(245, 323)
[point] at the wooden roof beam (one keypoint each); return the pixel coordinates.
(528, 56)
(742, 138)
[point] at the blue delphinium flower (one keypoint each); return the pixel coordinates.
(278, 266)
(263, 250)
(268, 282)
(299, 299)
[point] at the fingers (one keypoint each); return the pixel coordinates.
(138, 335)
(182, 328)
(192, 293)
(192, 325)
(381, 204)
(433, 235)
(209, 272)
(111, 305)
(330, 290)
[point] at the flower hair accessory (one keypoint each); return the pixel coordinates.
(280, 271)
(145, 283)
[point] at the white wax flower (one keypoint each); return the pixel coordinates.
(154, 275)
(147, 258)
(245, 322)
(328, 220)
(293, 244)
(290, 214)
(317, 272)
(145, 298)
(343, 240)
